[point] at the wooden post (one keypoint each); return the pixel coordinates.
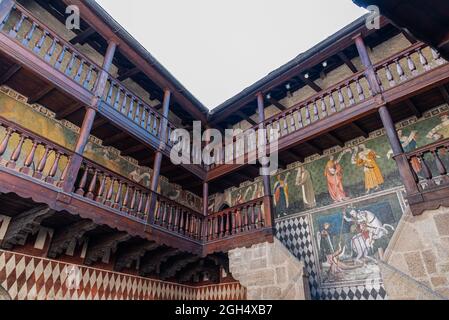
(268, 199)
(89, 118)
(405, 170)
(205, 199)
(158, 156)
(5, 8)
(366, 61)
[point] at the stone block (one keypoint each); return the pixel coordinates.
(442, 223)
(415, 264)
(430, 261)
(258, 264)
(281, 275)
(438, 281)
(270, 293)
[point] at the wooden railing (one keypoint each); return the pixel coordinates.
(428, 165)
(38, 38)
(348, 93)
(48, 166)
(231, 222)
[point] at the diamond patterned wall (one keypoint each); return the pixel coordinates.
(30, 278)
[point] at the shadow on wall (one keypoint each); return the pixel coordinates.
(4, 294)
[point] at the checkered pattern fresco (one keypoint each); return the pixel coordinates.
(30, 278)
(295, 234)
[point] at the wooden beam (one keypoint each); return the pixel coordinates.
(24, 224)
(243, 116)
(332, 136)
(413, 108)
(277, 104)
(315, 148)
(444, 93)
(102, 247)
(69, 236)
(347, 61)
(409, 36)
(180, 177)
(295, 155)
(133, 149)
(153, 260)
(130, 254)
(115, 138)
(10, 73)
(175, 265)
(99, 122)
(40, 94)
(128, 74)
(68, 110)
(310, 83)
(359, 129)
(83, 36)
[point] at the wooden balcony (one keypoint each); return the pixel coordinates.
(429, 166)
(108, 198)
(341, 104)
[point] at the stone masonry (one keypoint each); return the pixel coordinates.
(269, 271)
(416, 263)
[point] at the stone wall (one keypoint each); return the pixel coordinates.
(417, 259)
(270, 272)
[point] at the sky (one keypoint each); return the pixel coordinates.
(216, 48)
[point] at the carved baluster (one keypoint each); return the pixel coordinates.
(131, 108)
(299, 118)
(132, 206)
(140, 204)
(182, 222)
(426, 170)
(60, 59)
(360, 92)
(79, 73)
(440, 165)
(110, 192)
(29, 35)
(125, 201)
(110, 91)
(316, 115)
(5, 141)
(40, 43)
(117, 98)
(389, 74)
(83, 182)
(285, 125)
(307, 114)
(253, 217)
(42, 163)
(86, 83)
(400, 71)
(29, 159)
(332, 102)
(101, 193)
(437, 56)
(93, 183)
(423, 60)
(350, 94)
(16, 153)
(379, 82)
(118, 196)
(176, 219)
(64, 174)
(259, 216)
(124, 103)
(150, 117)
(156, 123)
(5, 20)
(68, 70)
(341, 99)
(146, 211)
(143, 117)
(54, 168)
(138, 112)
(323, 108)
(228, 224)
(13, 32)
(411, 66)
(51, 50)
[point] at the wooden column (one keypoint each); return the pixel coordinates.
(205, 199)
(158, 156)
(268, 198)
(366, 61)
(89, 118)
(5, 8)
(405, 170)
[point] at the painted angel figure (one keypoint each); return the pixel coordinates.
(304, 180)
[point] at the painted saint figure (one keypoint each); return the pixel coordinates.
(367, 159)
(334, 175)
(304, 180)
(281, 195)
(325, 247)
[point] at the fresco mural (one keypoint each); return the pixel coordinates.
(41, 121)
